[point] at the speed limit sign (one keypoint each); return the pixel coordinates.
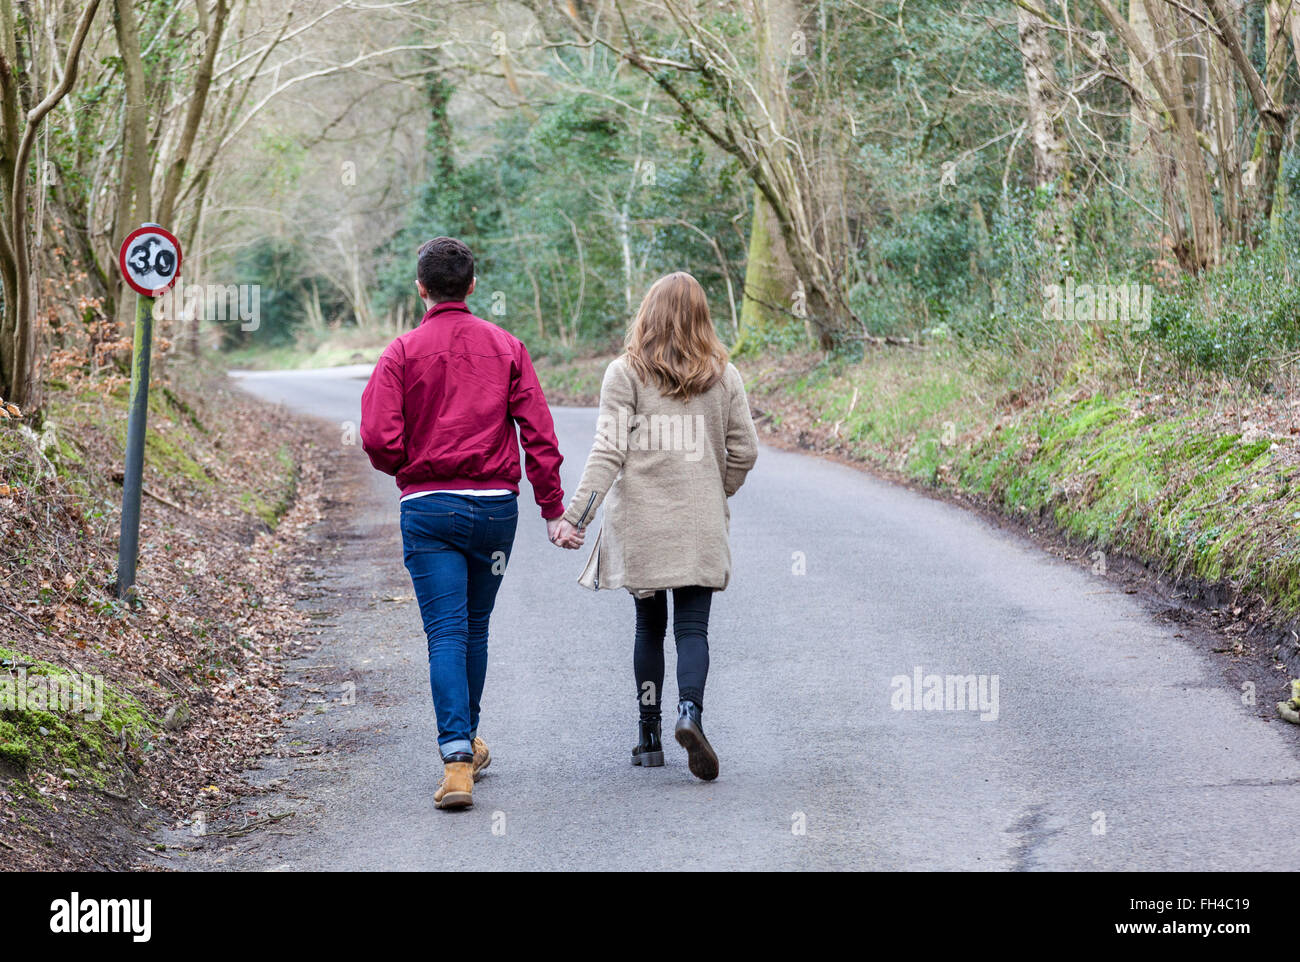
(150, 259)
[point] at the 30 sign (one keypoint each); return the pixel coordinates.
(150, 259)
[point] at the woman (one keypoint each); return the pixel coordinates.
(674, 442)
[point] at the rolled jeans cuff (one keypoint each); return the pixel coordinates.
(459, 746)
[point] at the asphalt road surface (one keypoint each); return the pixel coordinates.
(1116, 744)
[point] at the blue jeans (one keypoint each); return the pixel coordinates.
(456, 548)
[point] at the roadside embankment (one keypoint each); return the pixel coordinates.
(115, 715)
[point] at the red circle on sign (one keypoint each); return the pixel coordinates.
(121, 259)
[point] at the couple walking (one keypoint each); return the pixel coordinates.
(674, 441)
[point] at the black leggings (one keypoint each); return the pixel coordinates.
(690, 631)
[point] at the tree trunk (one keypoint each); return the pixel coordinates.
(18, 129)
(1051, 161)
(770, 283)
(134, 198)
(768, 300)
(1142, 120)
(212, 29)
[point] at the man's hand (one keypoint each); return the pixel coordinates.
(564, 534)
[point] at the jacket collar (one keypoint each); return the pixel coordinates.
(443, 307)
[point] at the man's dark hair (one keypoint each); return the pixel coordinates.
(445, 268)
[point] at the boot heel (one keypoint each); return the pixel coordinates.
(702, 760)
(649, 750)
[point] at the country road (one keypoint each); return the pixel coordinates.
(1116, 744)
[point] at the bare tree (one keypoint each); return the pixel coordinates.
(1051, 158)
(18, 127)
(1188, 77)
(718, 90)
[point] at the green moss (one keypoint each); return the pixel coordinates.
(170, 460)
(270, 512)
(1164, 490)
(181, 407)
(167, 443)
(70, 736)
(766, 288)
(16, 754)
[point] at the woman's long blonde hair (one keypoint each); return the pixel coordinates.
(672, 342)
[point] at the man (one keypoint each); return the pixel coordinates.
(440, 414)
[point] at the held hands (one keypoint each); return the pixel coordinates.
(564, 534)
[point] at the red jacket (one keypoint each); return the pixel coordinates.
(441, 407)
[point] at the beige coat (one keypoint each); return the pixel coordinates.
(664, 469)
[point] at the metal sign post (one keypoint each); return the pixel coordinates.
(150, 260)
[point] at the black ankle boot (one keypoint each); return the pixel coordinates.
(649, 751)
(702, 759)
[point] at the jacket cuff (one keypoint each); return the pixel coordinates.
(552, 510)
(582, 512)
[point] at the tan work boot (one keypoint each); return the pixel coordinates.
(457, 788)
(482, 757)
